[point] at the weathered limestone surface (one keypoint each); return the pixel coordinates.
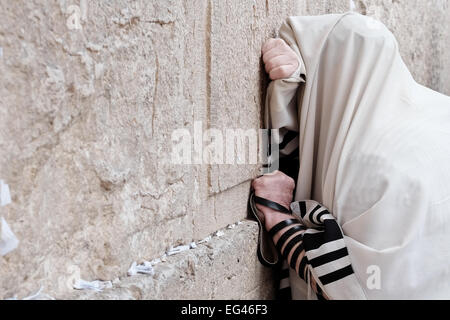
(87, 111)
(226, 267)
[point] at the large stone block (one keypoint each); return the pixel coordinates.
(87, 116)
(90, 94)
(238, 30)
(226, 267)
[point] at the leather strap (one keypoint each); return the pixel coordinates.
(271, 204)
(301, 268)
(295, 255)
(287, 235)
(291, 244)
(282, 225)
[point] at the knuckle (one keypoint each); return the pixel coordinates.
(279, 42)
(259, 182)
(255, 183)
(263, 182)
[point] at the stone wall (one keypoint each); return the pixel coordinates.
(90, 94)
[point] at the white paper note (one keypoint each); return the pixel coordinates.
(178, 249)
(8, 241)
(96, 285)
(144, 268)
(5, 196)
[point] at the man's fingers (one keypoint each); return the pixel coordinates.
(282, 72)
(276, 51)
(271, 43)
(277, 62)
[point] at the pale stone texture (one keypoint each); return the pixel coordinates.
(223, 268)
(86, 118)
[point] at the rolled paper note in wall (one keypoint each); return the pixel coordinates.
(5, 196)
(8, 241)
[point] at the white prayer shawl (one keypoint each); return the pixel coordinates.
(374, 148)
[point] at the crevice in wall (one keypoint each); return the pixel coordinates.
(147, 266)
(155, 92)
(161, 22)
(208, 61)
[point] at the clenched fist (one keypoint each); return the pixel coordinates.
(275, 186)
(279, 59)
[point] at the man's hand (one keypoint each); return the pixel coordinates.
(280, 60)
(275, 186)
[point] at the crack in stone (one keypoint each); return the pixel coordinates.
(161, 22)
(155, 92)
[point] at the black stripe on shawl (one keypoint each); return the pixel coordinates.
(336, 275)
(302, 206)
(328, 257)
(331, 233)
(319, 215)
(311, 214)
